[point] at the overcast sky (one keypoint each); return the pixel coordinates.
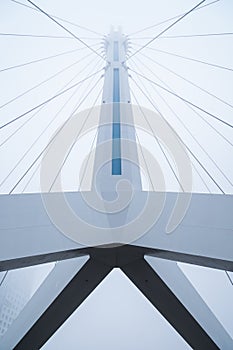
(117, 316)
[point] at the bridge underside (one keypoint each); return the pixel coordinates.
(204, 237)
(131, 260)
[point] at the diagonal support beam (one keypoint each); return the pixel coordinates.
(80, 287)
(61, 274)
(175, 279)
(158, 293)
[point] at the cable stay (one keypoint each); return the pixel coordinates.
(190, 59)
(165, 30)
(210, 125)
(37, 139)
(201, 177)
(46, 80)
(190, 151)
(159, 144)
(188, 131)
(39, 136)
(185, 79)
(183, 99)
(148, 172)
(44, 36)
(156, 138)
(170, 19)
(185, 36)
(54, 136)
(88, 159)
(70, 81)
(49, 99)
(38, 111)
(142, 153)
(42, 59)
(192, 109)
(197, 35)
(61, 19)
(38, 165)
(67, 30)
(34, 36)
(76, 138)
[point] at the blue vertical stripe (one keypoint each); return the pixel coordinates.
(116, 85)
(116, 127)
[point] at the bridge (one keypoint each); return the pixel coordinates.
(120, 212)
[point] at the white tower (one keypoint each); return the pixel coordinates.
(116, 125)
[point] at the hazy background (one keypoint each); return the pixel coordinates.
(116, 315)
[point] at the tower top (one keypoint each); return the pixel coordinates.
(114, 38)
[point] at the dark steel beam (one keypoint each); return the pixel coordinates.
(131, 261)
(18, 263)
(80, 287)
(161, 297)
(26, 261)
(205, 261)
